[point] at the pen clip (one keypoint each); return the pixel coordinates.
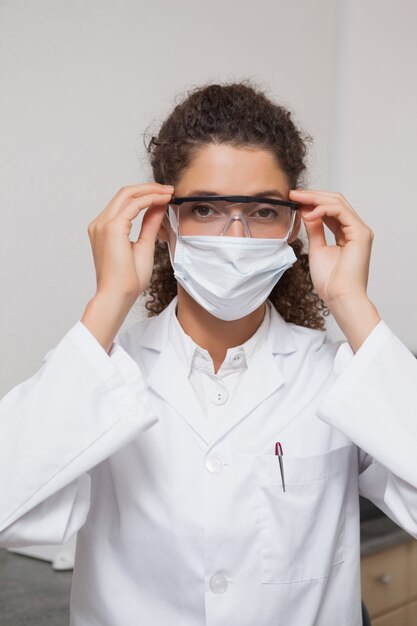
(280, 454)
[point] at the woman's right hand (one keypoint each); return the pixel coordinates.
(124, 267)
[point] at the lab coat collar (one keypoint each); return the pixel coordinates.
(156, 335)
(168, 377)
(280, 338)
(199, 358)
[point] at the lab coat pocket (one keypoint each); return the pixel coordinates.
(302, 529)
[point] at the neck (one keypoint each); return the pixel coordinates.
(211, 333)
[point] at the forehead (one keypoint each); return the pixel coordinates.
(226, 170)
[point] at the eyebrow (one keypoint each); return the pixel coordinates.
(265, 193)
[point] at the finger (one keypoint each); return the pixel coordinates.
(351, 227)
(335, 227)
(317, 192)
(313, 196)
(125, 195)
(337, 211)
(333, 194)
(136, 205)
(151, 223)
(332, 223)
(129, 192)
(315, 234)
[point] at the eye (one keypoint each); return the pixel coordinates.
(266, 213)
(202, 210)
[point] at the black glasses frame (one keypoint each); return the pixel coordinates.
(294, 206)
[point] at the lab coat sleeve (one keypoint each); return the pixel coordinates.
(79, 408)
(373, 401)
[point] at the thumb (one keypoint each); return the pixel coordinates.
(151, 223)
(315, 232)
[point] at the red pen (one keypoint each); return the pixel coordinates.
(280, 454)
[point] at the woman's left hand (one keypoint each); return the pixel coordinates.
(339, 272)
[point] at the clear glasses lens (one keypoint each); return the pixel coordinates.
(216, 218)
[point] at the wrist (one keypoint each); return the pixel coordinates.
(350, 304)
(104, 315)
(356, 317)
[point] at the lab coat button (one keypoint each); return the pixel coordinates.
(219, 396)
(215, 464)
(236, 359)
(218, 583)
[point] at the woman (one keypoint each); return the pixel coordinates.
(211, 457)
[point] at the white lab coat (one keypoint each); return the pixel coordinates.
(181, 527)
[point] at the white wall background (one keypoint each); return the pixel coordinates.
(81, 80)
(375, 141)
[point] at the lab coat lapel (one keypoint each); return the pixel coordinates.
(168, 375)
(170, 381)
(263, 376)
(261, 379)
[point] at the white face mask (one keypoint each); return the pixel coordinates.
(230, 276)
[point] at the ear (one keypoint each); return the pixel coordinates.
(296, 227)
(163, 232)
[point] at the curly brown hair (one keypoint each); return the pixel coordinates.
(241, 115)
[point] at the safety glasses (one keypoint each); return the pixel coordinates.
(215, 215)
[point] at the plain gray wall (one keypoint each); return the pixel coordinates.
(374, 158)
(81, 81)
